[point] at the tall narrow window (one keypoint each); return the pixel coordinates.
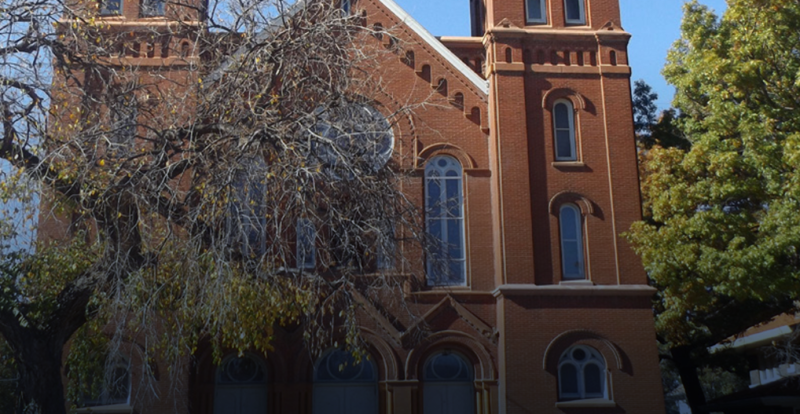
(444, 220)
(536, 11)
(564, 131)
(581, 374)
(124, 114)
(574, 12)
(571, 242)
(245, 222)
(306, 236)
(346, 6)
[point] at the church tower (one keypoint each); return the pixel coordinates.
(570, 290)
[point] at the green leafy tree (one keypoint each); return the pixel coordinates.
(644, 109)
(721, 234)
(653, 128)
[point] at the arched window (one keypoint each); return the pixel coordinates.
(444, 221)
(570, 223)
(448, 385)
(343, 385)
(240, 386)
(574, 12)
(351, 139)
(536, 11)
(564, 131)
(581, 374)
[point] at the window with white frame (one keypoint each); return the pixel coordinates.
(564, 131)
(581, 374)
(574, 12)
(536, 11)
(444, 222)
(571, 225)
(306, 237)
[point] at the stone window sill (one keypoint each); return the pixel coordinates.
(106, 409)
(568, 164)
(590, 403)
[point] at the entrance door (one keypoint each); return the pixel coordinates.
(344, 386)
(448, 385)
(240, 386)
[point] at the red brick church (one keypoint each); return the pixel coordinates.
(543, 307)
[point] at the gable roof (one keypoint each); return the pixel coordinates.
(480, 83)
(403, 16)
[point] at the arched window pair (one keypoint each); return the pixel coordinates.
(444, 222)
(581, 374)
(574, 11)
(343, 385)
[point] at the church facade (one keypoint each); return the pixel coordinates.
(543, 307)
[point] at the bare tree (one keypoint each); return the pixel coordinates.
(205, 178)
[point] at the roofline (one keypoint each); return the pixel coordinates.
(754, 340)
(439, 47)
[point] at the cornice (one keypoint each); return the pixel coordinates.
(573, 290)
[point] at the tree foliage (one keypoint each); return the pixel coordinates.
(722, 233)
(654, 128)
(171, 193)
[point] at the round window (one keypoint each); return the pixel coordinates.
(340, 366)
(447, 366)
(238, 370)
(353, 134)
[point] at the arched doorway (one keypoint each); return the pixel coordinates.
(448, 384)
(240, 386)
(344, 386)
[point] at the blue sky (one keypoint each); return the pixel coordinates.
(654, 24)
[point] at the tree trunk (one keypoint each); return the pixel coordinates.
(688, 372)
(39, 366)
